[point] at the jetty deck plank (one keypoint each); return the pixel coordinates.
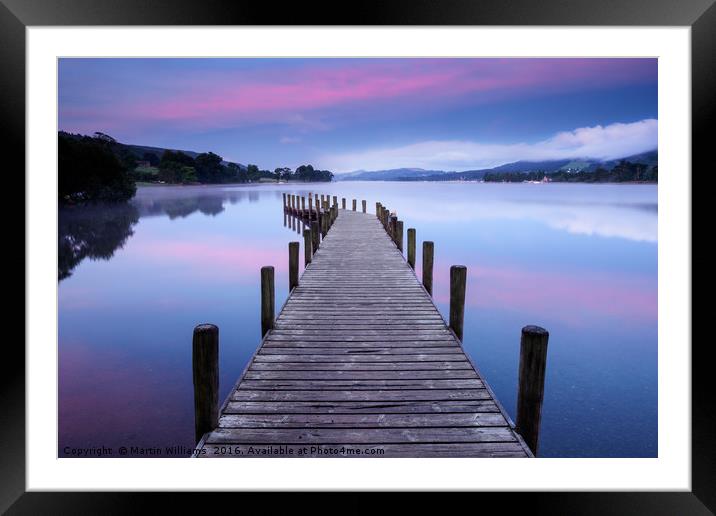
(361, 363)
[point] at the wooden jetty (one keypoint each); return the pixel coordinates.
(359, 361)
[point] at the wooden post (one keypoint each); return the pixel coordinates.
(307, 251)
(268, 299)
(393, 227)
(315, 236)
(303, 203)
(292, 265)
(530, 392)
(335, 200)
(377, 209)
(354, 205)
(364, 205)
(205, 366)
(399, 235)
(343, 203)
(411, 247)
(428, 250)
(324, 223)
(310, 207)
(458, 279)
(284, 199)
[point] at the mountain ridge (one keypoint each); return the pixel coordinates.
(649, 158)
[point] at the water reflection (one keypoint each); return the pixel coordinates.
(580, 260)
(94, 232)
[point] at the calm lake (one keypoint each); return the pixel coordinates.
(579, 260)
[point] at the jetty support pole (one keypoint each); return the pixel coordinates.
(315, 236)
(377, 210)
(411, 247)
(268, 299)
(307, 247)
(205, 368)
(399, 235)
(393, 227)
(458, 279)
(428, 251)
(335, 200)
(284, 201)
(354, 204)
(364, 205)
(293, 248)
(343, 203)
(530, 390)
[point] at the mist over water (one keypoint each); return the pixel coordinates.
(579, 260)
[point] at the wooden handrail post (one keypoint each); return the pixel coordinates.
(205, 369)
(335, 200)
(307, 247)
(399, 235)
(293, 248)
(411, 247)
(284, 200)
(343, 203)
(315, 235)
(393, 226)
(268, 299)
(458, 279)
(354, 205)
(377, 210)
(530, 391)
(364, 205)
(428, 255)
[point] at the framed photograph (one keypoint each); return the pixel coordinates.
(433, 237)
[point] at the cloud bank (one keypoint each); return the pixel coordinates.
(597, 142)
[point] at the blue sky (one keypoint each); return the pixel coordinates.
(348, 114)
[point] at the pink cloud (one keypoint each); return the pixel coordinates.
(220, 98)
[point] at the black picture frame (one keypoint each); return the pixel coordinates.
(16, 15)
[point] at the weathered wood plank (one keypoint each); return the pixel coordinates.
(372, 395)
(362, 435)
(359, 407)
(457, 365)
(361, 363)
(359, 357)
(437, 419)
(362, 384)
(436, 374)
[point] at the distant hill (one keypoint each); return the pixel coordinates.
(650, 159)
(386, 175)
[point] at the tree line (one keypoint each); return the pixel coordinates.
(623, 172)
(93, 168)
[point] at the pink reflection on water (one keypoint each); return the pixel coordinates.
(219, 259)
(572, 297)
(103, 392)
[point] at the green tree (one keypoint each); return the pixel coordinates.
(88, 170)
(209, 168)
